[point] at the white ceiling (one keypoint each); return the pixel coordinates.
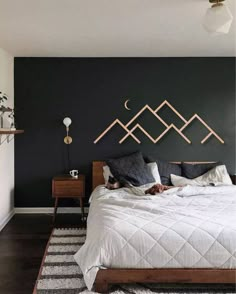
(82, 28)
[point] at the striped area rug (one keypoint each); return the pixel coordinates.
(60, 274)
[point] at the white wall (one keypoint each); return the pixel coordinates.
(6, 150)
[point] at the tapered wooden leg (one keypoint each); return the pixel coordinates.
(55, 209)
(82, 207)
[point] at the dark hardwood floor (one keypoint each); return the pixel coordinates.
(22, 245)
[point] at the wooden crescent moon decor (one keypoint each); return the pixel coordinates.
(126, 104)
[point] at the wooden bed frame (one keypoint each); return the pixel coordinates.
(106, 277)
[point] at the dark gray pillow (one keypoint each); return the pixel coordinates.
(131, 169)
(166, 169)
(192, 171)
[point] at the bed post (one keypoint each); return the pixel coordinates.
(101, 286)
(101, 282)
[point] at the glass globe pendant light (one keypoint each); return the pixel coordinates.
(218, 18)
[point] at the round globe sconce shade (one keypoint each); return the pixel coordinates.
(67, 121)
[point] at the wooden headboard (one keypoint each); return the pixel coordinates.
(98, 179)
(97, 171)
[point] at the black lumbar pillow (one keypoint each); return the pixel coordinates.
(131, 169)
(165, 169)
(192, 171)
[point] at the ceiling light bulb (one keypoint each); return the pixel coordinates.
(218, 19)
(67, 121)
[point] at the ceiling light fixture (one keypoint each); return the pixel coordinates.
(218, 18)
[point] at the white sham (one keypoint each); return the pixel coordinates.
(216, 176)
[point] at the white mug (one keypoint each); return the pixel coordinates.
(74, 173)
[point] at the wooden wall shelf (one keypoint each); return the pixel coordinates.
(9, 135)
(11, 132)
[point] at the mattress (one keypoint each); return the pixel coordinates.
(189, 227)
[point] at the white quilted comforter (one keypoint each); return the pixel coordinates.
(190, 227)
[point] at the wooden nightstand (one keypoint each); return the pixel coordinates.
(68, 187)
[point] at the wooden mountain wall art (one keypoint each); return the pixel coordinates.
(186, 123)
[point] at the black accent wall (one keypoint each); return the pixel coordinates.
(92, 91)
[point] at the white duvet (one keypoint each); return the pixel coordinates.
(190, 227)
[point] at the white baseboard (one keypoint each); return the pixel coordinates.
(49, 210)
(6, 219)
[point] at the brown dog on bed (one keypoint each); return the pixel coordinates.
(156, 189)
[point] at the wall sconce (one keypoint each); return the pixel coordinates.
(67, 122)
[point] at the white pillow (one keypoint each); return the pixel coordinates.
(216, 176)
(107, 173)
(152, 165)
(155, 172)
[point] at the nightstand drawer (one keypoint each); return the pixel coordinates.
(68, 188)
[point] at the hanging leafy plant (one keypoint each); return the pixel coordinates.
(11, 118)
(3, 98)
